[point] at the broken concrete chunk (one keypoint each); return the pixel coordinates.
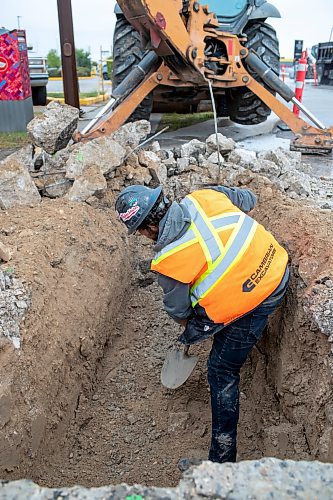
(5, 253)
(297, 182)
(266, 167)
(192, 148)
(136, 175)
(159, 173)
(183, 165)
(53, 163)
(16, 185)
(148, 158)
(24, 156)
(104, 152)
(214, 158)
(157, 169)
(12, 308)
(56, 187)
(91, 183)
(55, 128)
(132, 134)
(155, 146)
(243, 157)
(225, 144)
(286, 160)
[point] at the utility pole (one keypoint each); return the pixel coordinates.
(18, 22)
(67, 45)
(101, 70)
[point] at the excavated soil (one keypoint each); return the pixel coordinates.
(86, 402)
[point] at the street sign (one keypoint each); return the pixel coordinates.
(298, 49)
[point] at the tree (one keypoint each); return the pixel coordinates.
(83, 58)
(53, 60)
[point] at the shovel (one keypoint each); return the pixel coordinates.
(177, 367)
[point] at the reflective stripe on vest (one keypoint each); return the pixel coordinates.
(205, 230)
(186, 240)
(238, 243)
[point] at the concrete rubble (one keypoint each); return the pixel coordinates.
(54, 129)
(104, 152)
(68, 172)
(14, 302)
(90, 183)
(258, 479)
(16, 185)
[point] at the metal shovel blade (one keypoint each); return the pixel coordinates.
(177, 367)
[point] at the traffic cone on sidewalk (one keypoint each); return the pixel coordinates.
(315, 74)
(300, 79)
(283, 72)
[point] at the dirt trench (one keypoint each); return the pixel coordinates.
(105, 417)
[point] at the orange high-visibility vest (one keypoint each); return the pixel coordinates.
(231, 262)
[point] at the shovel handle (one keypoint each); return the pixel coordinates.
(186, 349)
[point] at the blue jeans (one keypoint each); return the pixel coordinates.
(231, 347)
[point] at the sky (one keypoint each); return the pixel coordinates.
(94, 23)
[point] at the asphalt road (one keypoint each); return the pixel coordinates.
(85, 85)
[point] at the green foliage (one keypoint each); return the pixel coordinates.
(13, 139)
(53, 72)
(175, 121)
(109, 63)
(53, 60)
(83, 59)
(10, 271)
(83, 71)
(58, 95)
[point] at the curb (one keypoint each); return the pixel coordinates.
(84, 101)
(59, 78)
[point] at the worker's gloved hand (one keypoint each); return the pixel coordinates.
(199, 328)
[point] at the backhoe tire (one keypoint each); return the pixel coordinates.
(244, 106)
(127, 53)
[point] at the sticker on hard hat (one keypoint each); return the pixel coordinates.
(130, 212)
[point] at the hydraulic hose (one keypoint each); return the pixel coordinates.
(269, 77)
(148, 63)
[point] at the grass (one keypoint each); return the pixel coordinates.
(82, 94)
(13, 139)
(175, 121)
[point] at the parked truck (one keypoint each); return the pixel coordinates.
(39, 78)
(323, 52)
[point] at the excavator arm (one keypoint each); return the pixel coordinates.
(187, 48)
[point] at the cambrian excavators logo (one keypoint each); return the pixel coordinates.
(3, 64)
(258, 275)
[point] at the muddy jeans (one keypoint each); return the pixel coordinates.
(231, 346)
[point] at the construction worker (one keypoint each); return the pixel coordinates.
(222, 275)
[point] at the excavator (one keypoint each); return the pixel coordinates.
(185, 46)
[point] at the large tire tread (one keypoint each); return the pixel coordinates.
(244, 106)
(126, 54)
